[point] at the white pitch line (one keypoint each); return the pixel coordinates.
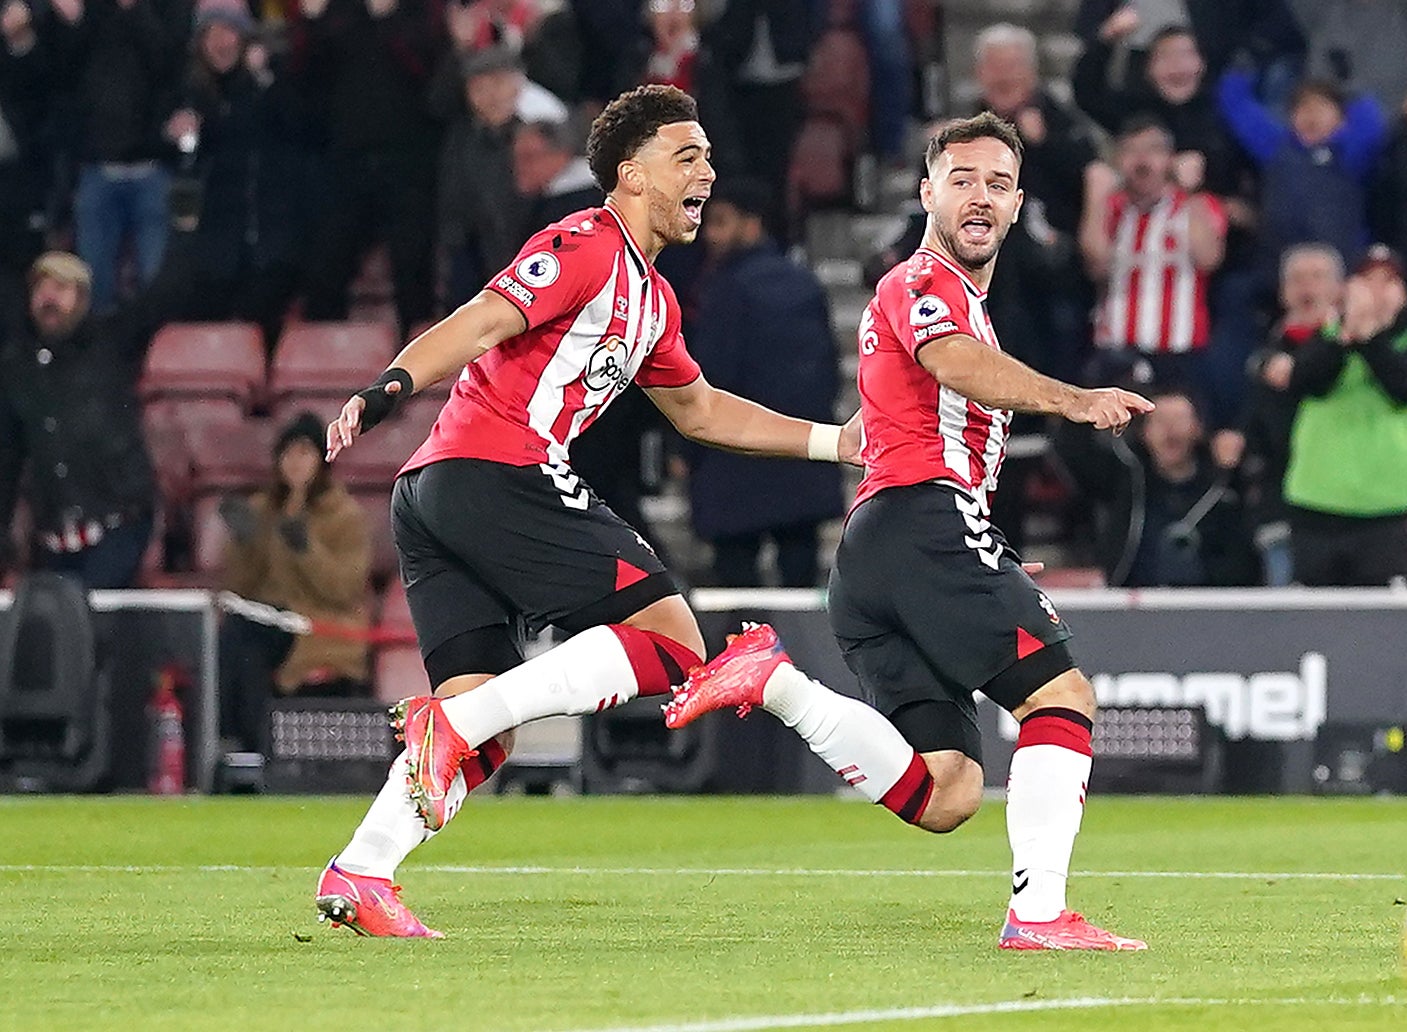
(963, 1010)
(703, 872)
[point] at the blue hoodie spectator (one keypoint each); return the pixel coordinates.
(1315, 168)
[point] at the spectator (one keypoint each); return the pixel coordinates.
(246, 190)
(302, 544)
(369, 62)
(449, 96)
(1311, 291)
(1264, 28)
(763, 327)
(24, 106)
(757, 52)
(885, 29)
(1348, 448)
(1040, 301)
(1057, 143)
(551, 174)
(482, 218)
(1357, 44)
(69, 415)
(1173, 89)
(1314, 170)
(122, 59)
(542, 32)
(1166, 515)
(1151, 246)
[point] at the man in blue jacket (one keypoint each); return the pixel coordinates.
(762, 329)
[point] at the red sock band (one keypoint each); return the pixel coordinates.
(480, 767)
(658, 662)
(910, 795)
(1066, 728)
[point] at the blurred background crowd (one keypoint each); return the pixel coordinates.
(219, 218)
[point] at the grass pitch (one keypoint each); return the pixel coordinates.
(697, 914)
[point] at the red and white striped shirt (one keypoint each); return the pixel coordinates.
(1156, 298)
(917, 429)
(599, 316)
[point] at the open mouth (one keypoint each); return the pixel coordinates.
(693, 208)
(978, 228)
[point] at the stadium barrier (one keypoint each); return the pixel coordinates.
(1307, 689)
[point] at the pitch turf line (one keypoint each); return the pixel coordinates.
(705, 872)
(964, 1010)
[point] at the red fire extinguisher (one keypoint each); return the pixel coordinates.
(166, 748)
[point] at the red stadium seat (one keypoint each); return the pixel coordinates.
(231, 458)
(206, 360)
(399, 669)
(329, 360)
(373, 460)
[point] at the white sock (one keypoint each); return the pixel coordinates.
(392, 826)
(1045, 802)
(856, 740)
(585, 674)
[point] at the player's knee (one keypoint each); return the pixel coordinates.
(1071, 690)
(951, 806)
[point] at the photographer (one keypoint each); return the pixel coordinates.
(1166, 514)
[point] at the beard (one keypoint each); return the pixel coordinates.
(972, 257)
(668, 220)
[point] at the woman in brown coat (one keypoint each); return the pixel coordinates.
(302, 544)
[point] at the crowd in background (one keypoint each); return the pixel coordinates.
(1216, 203)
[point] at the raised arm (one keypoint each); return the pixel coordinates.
(706, 415)
(472, 330)
(988, 377)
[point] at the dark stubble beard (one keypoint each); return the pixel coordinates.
(969, 258)
(664, 214)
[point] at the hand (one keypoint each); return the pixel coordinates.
(1277, 370)
(256, 60)
(15, 21)
(1360, 312)
(239, 517)
(1101, 181)
(70, 11)
(1119, 25)
(1107, 408)
(381, 8)
(348, 423)
(464, 23)
(182, 123)
(1392, 297)
(1190, 170)
(294, 532)
(312, 8)
(852, 440)
(1227, 448)
(1030, 123)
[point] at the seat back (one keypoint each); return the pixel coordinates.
(211, 360)
(332, 359)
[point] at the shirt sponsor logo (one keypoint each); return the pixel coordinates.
(924, 333)
(513, 288)
(539, 270)
(606, 369)
(928, 310)
(869, 339)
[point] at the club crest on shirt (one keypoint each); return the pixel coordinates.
(539, 269)
(607, 367)
(927, 310)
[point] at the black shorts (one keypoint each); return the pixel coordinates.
(929, 604)
(487, 548)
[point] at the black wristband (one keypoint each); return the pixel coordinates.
(380, 404)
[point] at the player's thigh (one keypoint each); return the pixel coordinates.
(464, 629)
(540, 539)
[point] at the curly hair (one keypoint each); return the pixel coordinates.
(628, 123)
(978, 127)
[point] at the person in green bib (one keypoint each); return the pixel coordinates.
(1347, 475)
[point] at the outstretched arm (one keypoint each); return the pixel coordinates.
(703, 413)
(991, 378)
(472, 330)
